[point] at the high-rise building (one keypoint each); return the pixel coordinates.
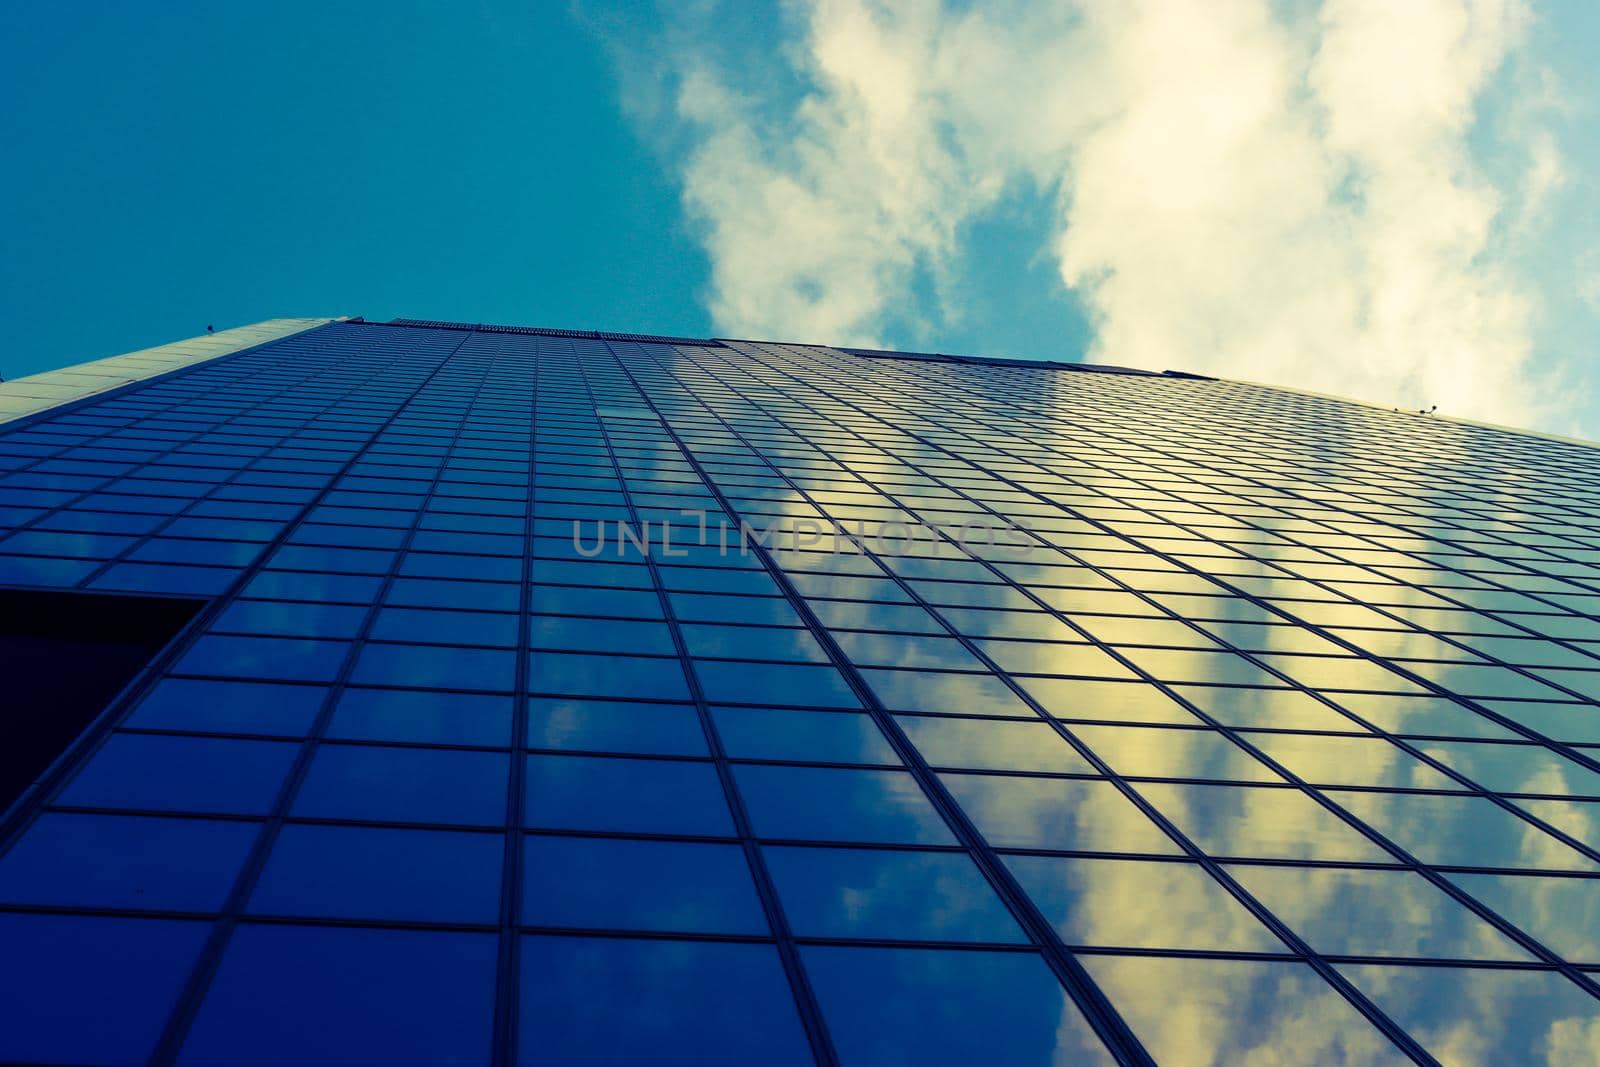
(443, 694)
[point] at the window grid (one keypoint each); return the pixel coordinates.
(778, 924)
(1097, 1010)
(271, 826)
(1303, 950)
(383, 515)
(1543, 953)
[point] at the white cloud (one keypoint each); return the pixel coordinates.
(1280, 194)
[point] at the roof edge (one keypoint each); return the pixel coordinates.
(49, 391)
(545, 331)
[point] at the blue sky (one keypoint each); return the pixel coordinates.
(924, 175)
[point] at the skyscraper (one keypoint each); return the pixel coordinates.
(431, 693)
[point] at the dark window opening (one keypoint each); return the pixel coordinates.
(63, 658)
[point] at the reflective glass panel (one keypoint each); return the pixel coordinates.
(299, 994)
(674, 990)
(910, 1005)
(1238, 1011)
(1485, 1017)
(1055, 813)
(629, 795)
(866, 893)
(828, 804)
(1343, 912)
(993, 745)
(602, 883)
(1227, 820)
(1139, 904)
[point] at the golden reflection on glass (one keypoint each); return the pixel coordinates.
(1462, 831)
(998, 745)
(1282, 709)
(1374, 913)
(1030, 657)
(1342, 615)
(1055, 571)
(1154, 752)
(1072, 698)
(1099, 601)
(1021, 625)
(1123, 630)
(1371, 761)
(1222, 1012)
(1259, 637)
(1273, 587)
(1139, 904)
(1199, 667)
(1056, 813)
(1252, 821)
(1474, 1017)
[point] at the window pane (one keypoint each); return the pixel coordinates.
(435, 667)
(574, 674)
(629, 795)
(455, 627)
(296, 994)
(1256, 1012)
(1095, 701)
(600, 883)
(111, 861)
(993, 745)
(934, 691)
(1491, 1016)
(1374, 913)
(84, 989)
(1461, 830)
(1139, 904)
(829, 804)
(1159, 753)
(1515, 768)
(930, 1006)
(753, 642)
(422, 717)
(288, 659)
(1055, 813)
(405, 785)
(863, 893)
(182, 774)
(820, 736)
(1228, 820)
(615, 726)
(229, 707)
(688, 1002)
(1367, 761)
(774, 683)
(368, 873)
(1283, 709)
(1562, 913)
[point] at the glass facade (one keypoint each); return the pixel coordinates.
(565, 697)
